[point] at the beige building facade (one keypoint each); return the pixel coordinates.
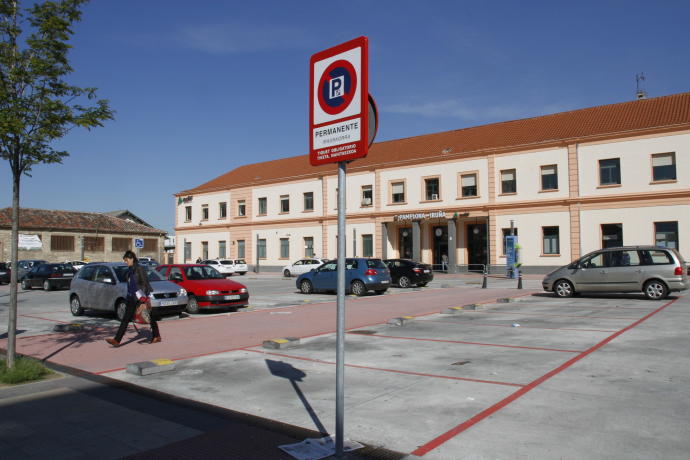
(565, 184)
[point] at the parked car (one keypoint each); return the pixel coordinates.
(239, 265)
(5, 272)
(103, 286)
(77, 264)
(23, 266)
(301, 266)
(655, 271)
(361, 275)
(206, 287)
(149, 262)
(406, 273)
(225, 267)
(49, 276)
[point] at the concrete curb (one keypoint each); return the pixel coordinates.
(154, 366)
(281, 344)
(401, 321)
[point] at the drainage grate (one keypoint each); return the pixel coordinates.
(460, 363)
(363, 332)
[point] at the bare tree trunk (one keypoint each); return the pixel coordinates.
(12, 323)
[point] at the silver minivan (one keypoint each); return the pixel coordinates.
(655, 271)
(102, 286)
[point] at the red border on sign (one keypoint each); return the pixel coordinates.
(351, 150)
(347, 98)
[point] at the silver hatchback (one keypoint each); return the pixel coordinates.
(102, 286)
(655, 271)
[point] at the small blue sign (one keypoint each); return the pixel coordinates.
(511, 255)
(139, 243)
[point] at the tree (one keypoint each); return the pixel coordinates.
(37, 106)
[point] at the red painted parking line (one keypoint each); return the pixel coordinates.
(524, 327)
(543, 314)
(45, 319)
(395, 371)
(434, 443)
(472, 343)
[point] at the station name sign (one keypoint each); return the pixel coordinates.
(421, 216)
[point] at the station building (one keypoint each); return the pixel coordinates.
(565, 184)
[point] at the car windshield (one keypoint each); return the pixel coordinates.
(62, 268)
(121, 272)
(226, 262)
(240, 261)
(375, 263)
(201, 272)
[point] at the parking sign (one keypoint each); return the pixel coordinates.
(339, 109)
(138, 243)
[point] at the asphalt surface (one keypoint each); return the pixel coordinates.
(539, 377)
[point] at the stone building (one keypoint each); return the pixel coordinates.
(58, 236)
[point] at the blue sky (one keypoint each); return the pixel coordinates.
(203, 87)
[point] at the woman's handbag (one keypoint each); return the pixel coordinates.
(142, 315)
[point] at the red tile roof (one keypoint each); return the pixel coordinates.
(627, 118)
(45, 219)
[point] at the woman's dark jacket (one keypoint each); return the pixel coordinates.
(141, 279)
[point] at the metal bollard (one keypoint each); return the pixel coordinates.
(484, 279)
(519, 281)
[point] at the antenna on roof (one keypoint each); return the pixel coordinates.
(640, 93)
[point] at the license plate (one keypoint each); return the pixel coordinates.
(231, 297)
(384, 282)
(68, 275)
(167, 303)
(426, 271)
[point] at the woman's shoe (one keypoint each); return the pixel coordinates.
(113, 342)
(155, 340)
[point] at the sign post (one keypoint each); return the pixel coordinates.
(338, 133)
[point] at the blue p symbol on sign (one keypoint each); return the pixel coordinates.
(138, 243)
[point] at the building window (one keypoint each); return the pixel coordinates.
(262, 206)
(610, 171)
(551, 240)
(187, 213)
(666, 234)
(187, 251)
(508, 181)
(611, 235)
(309, 201)
(121, 244)
(204, 250)
(94, 243)
(549, 177)
(664, 166)
(285, 204)
(367, 195)
(398, 192)
(221, 250)
(308, 246)
(261, 248)
(204, 212)
(432, 188)
(284, 248)
(367, 245)
(468, 185)
(222, 210)
(61, 243)
(240, 249)
(150, 245)
(241, 208)
(506, 232)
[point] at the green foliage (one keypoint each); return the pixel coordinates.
(24, 370)
(37, 106)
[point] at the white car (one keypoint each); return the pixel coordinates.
(302, 266)
(223, 268)
(77, 264)
(239, 265)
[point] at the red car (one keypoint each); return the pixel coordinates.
(206, 287)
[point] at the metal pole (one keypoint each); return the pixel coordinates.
(256, 267)
(340, 349)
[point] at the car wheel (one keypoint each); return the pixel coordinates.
(25, 285)
(75, 306)
(358, 288)
(242, 273)
(563, 288)
(306, 287)
(655, 290)
(192, 305)
(120, 309)
(404, 282)
(286, 273)
(380, 291)
(47, 286)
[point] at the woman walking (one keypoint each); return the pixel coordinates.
(138, 288)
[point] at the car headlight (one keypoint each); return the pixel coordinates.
(243, 291)
(182, 292)
(212, 292)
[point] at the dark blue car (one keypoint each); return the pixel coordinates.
(361, 275)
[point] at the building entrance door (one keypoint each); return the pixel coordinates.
(477, 247)
(405, 243)
(440, 247)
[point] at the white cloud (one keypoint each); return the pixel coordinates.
(242, 38)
